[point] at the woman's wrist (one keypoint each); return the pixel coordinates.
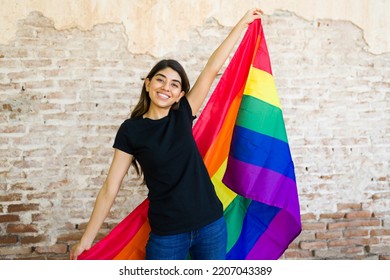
(86, 243)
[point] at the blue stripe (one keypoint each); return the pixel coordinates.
(257, 219)
(262, 150)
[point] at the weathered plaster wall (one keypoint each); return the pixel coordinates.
(157, 26)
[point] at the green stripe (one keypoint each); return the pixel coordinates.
(262, 117)
(234, 216)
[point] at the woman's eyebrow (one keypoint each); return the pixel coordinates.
(162, 75)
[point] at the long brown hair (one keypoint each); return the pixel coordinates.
(144, 101)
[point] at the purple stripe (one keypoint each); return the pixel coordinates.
(262, 185)
(280, 233)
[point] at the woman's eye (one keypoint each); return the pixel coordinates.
(175, 85)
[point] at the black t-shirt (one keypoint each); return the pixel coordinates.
(182, 196)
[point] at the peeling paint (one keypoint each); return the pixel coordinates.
(156, 27)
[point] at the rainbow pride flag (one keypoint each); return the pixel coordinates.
(242, 139)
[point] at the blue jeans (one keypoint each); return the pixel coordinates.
(207, 243)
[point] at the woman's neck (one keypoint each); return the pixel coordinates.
(156, 113)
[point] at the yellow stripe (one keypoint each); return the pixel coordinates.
(261, 85)
(224, 193)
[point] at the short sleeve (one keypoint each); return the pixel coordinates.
(186, 108)
(121, 141)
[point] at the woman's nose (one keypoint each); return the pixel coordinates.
(166, 86)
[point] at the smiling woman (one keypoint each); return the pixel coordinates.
(185, 213)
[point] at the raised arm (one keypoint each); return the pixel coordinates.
(202, 86)
(119, 167)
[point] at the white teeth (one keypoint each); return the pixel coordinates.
(163, 95)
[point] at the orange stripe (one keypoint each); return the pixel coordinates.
(221, 144)
(135, 249)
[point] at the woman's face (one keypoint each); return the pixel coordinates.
(164, 88)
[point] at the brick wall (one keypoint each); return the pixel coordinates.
(63, 95)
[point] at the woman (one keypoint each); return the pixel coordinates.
(185, 214)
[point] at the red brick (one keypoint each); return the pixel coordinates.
(25, 164)
(12, 129)
(358, 214)
(8, 239)
(381, 196)
(20, 228)
(328, 235)
(359, 250)
(32, 239)
(380, 232)
(313, 245)
(22, 187)
(336, 216)
(10, 251)
(349, 206)
(9, 218)
(314, 226)
(333, 253)
(7, 107)
(353, 242)
(59, 184)
(66, 237)
(61, 95)
(308, 216)
(355, 232)
(22, 207)
(298, 254)
(11, 197)
(46, 196)
(37, 63)
(56, 249)
(355, 223)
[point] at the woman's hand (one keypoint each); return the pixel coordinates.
(251, 15)
(76, 250)
(202, 86)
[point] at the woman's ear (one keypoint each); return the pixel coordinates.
(180, 96)
(147, 84)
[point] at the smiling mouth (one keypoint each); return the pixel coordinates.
(164, 96)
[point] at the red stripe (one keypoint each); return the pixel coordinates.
(262, 60)
(230, 84)
(116, 240)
